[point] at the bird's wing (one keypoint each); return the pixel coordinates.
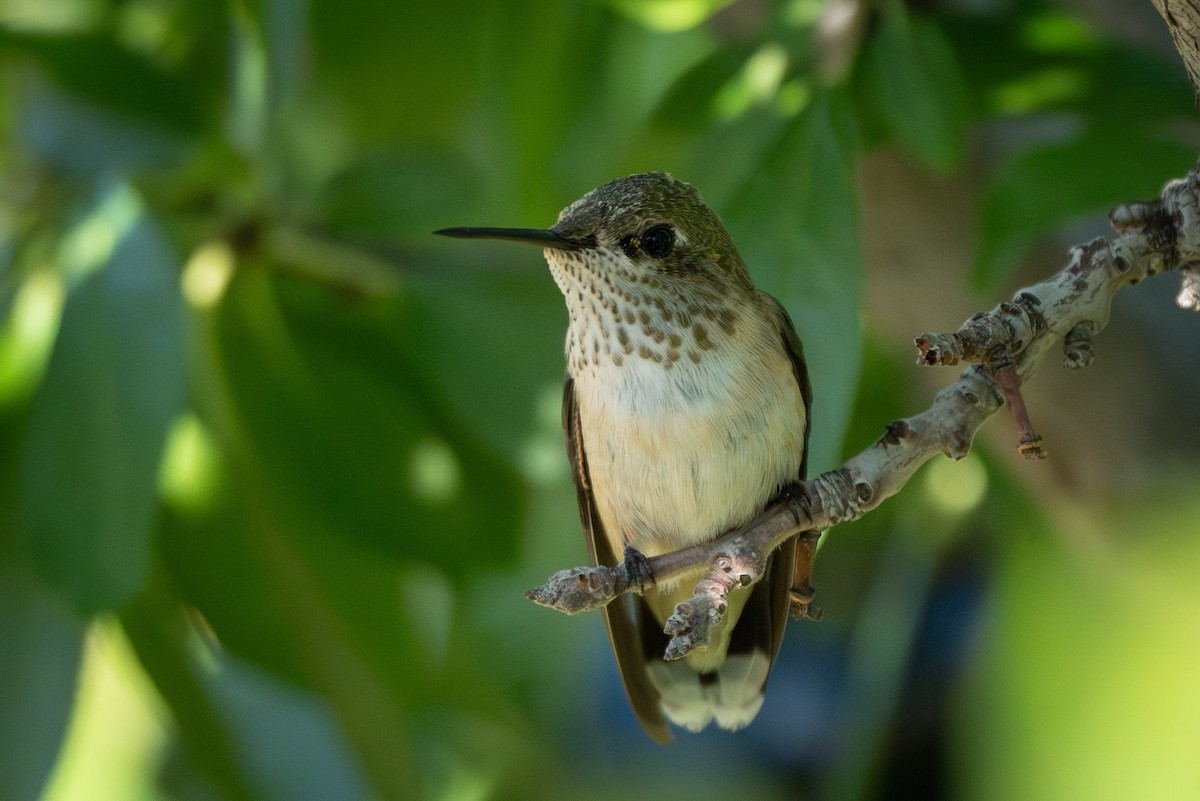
(795, 351)
(622, 630)
(781, 590)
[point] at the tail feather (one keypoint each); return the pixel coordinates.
(730, 695)
(726, 681)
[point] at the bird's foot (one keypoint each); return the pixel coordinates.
(802, 604)
(802, 592)
(637, 570)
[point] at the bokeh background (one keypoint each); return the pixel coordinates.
(276, 465)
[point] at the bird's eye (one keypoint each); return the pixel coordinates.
(658, 241)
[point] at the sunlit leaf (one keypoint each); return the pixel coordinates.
(115, 735)
(670, 15)
(38, 664)
(1054, 682)
(27, 334)
(1049, 62)
(689, 101)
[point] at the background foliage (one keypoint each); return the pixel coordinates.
(276, 465)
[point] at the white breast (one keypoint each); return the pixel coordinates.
(677, 456)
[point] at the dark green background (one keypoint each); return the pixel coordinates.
(276, 465)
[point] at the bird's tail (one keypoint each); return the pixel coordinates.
(724, 682)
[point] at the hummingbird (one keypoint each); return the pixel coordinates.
(686, 412)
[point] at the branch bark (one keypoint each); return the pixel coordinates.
(1002, 347)
(1183, 21)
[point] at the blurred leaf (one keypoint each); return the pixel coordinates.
(670, 15)
(796, 224)
(218, 566)
(341, 516)
(688, 104)
(744, 144)
(1142, 84)
(39, 660)
(292, 742)
(99, 421)
(1049, 186)
(918, 88)
(30, 323)
(1041, 59)
(546, 68)
(313, 607)
(992, 53)
(342, 424)
(78, 137)
(1066, 670)
(494, 338)
(116, 731)
(157, 630)
(622, 71)
(253, 737)
(398, 195)
(406, 70)
(99, 69)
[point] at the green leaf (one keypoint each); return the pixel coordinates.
(396, 194)
(1041, 59)
(1049, 186)
(918, 88)
(796, 224)
(311, 606)
(495, 340)
(688, 103)
(159, 632)
(623, 71)
(220, 568)
(295, 748)
(343, 427)
(1051, 681)
(545, 72)
(99, 69)
(292, 743)
(98, 423)
(669, 16)
(80, 138)
(404, 70)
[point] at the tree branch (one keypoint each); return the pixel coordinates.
(1003, 348)
(1183, 21)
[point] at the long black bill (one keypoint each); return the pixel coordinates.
(542, 237)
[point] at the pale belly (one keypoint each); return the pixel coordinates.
(679, 456)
